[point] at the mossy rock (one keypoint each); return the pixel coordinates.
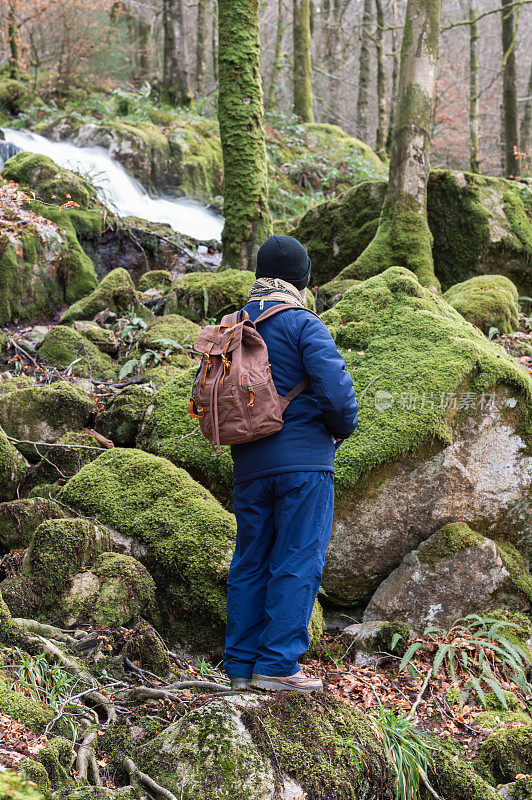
(167, 371)
(33, 714)
(44, 414)
(155, 279)
(189, 537)
(36, 772)
(452, 777)
(13, 468)
(14, 786)
(21, 596)
(97, 793)
(173, 327)
(421, 353)
(332, 292)
(487, 301)
(169, 421)
(8, 385)
(493, 703)
(104, 338)
(64, 347)
(57, 757)
(124, 413)
(199, 295)
(145, 646)
(114, 591)
(6, 623)
(315, 628)
(116, 291)
(489, 720)
(504, 755)
(48, 491)
(50, 183)
(73, 451)
(61, 548)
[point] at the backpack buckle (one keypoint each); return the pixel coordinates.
(198, 413)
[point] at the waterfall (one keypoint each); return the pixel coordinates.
(120, 192)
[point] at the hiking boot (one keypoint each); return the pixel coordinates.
(294, 683)
(239, 684)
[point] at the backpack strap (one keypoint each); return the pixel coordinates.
(230, 320)
(270, 312)
(287, 399)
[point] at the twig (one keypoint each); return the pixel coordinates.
(50, 444)
(185, 436)
(134, 772)
(271, 744)
(423, 776)
(367, 387)
(420, 694)
(24, 353)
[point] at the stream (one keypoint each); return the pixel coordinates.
(121, 193)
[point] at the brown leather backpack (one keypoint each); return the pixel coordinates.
(234, 396)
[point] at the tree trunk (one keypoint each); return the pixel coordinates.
(214, 40)
(302, 61)
(144, 69)
(524, 135)
(509, 91)
(14, 41)
(380, 139)
(403, 237)
(240, 114)
(474, 158)
(363, 73)
(276, 68)
(201, 47)
(176, 79)
(395, 73)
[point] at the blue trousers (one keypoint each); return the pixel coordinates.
(284, 525)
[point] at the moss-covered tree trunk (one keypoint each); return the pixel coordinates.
(395, 75)
(201, 47)
(474, 158)
(176, 79)
(144, 71)
(403, 237)
(380, 138)
(13, 39)
(276, 67)
(364, 73)
(524, 133)
(214, 39)
(240, 114)
(302, 34)
(509, 90)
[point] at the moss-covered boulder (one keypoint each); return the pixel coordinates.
(442, 435)
(43, 414)
(19, 520)
(504, 755)
(57, 757)
(122, 417)
(145, 646)
(114, 591)
(454, 572)
(275, 747)
(188, 536)
(371, 642)
(479, 225)
(487, 301)
(155, 279)
(64, 347)
(21, 596)
(32, 713)
(116, 291)
(14, 786)
(13, 468)
(452, 777)
(104, 338)
(199, 295)
(68, 456)
(42, 265)
(49, 182)
(170, 328)
(331, 292)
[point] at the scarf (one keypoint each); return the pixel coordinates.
(275, 289)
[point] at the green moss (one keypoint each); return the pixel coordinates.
(171, 326)
(60, 548)
(522, 789)
(169, 422)
(448, 540)
(15, 95)
(166, 372)
(13, 384)
(200, 295)
(20, 596)
(145, 646)
(331, 292)
(421, 350)
(487, 301)
(32, 713)
(50, 183)
(384, 637)
(6, 622)
(189, 536)
(104, 338)
(324, 745)
(115, 744)
(116, 291)
(127, 589)
(155, 279)
(57, 757)
(14, 786)
(44, 413)
(12, 468)
(47, 490)
(505, 754)
(517, 567)
(36, 772)
(453, 696)
(62, 462)
(315, 628)
(452, 777)
(64, 347)
(493, 719)
(124, 414)
(196, 155)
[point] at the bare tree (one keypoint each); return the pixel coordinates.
(201, 46)
(176, 78)
(303, 99)
(509, 90)
(474, 158)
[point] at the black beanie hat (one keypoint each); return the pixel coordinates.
(285, 258)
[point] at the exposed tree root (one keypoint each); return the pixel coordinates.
(135, 774)
(87, 758)
(49, 631)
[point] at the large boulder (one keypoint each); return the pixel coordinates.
(49, 182)
(116, 292)
(479, 225)
(505, 754)
(186, 536)
(171, 328)
(19, 520)
(487, 301)
(43, 414)
(123, 414)
(199, 295)
(442, 434)
(13, 468)
(286, 747)
(64, 347)
(453, 573)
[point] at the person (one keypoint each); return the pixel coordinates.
(284, 484)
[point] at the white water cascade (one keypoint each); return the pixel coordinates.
(119, 191)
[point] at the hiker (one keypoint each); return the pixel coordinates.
(283, 483)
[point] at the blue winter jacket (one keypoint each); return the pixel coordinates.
(300, 345)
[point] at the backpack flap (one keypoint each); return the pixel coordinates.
(215, 340)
